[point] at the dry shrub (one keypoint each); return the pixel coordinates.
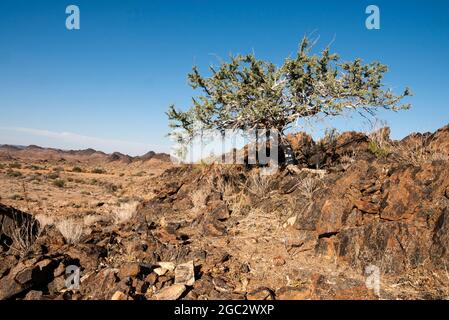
(24, 231)
(92, 219)
(199, 198)
(44, 220)
(71, 229)
(308, 186)
(379, 139)
(125, 212)
(258, 185)
(347, 160)
(420, 150)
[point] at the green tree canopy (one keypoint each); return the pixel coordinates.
(248, 93)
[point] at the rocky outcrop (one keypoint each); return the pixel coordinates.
(213, 232)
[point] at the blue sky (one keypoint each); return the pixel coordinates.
(108, 84)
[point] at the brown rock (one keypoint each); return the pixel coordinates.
(170, 293)
(351, 142)
(33, 295)
(118, 295)
(102, 285)
(260, 294)
(160, 271)
(25, 275)
(302, 145)
(57, 285)
(6, 264)
(88, 255)
(293, 293)
(221, 211)
(170, 266)
(129, 270)
(151, 278)
(278, 261)
(366, 206)
(404, 196)
(440, 246)
(397, 244)
(332, 212)
(213, 228)
(185, 274)
(9, 288)
(164, 236)
(221, 285)
(203, 285)
(355, 293)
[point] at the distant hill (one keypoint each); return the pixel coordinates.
(90, 155)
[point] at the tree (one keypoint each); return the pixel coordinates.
(247, 93)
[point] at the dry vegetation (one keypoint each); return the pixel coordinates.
(55, 189)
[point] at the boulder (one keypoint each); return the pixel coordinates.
(118, 295)
(185, 274)
(440, 243)
(170, 293)
(26, 275)
(131, 269)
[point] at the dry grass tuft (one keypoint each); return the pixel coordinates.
(199, 198)
(347, 160)
(44, 220)
(92, 219)
(258, 185)
(125, 212)
(71, 229)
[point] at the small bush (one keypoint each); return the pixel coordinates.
(123, 200)
(33, 167)
(14, 174)
(53, 176)
(16, 197)
(139, 174)
(2, 166)
(377, 150)
(15, 165)
(110, 187)
(58, 169)
(59, 183)
(77, 169)
(99, 171)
